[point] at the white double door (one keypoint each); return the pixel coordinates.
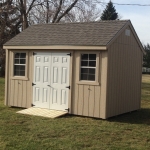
(51, 80)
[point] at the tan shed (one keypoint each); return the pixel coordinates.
(90, 69)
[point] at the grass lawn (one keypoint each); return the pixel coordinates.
(128, 131)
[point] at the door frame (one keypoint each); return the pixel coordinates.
(70, 72)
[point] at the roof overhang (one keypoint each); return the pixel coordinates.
(57, 47)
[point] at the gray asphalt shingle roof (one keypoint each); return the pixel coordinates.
(76, 34)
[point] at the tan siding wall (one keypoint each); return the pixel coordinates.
(86, 99)
(20, 91)
(124, 76)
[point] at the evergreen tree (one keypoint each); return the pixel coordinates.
(110, 12)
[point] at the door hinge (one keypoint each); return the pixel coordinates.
(33, 84)
(67, 109)
(34, 53)
(68, 87)
(69, 54)
(32, 105)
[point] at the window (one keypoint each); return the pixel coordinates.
(19, 64)
(88, 67)
(127, 32)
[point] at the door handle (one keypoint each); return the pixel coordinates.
(68, 87)
(50, 86)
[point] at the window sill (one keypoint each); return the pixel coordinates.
(88, 83)
(19, 78)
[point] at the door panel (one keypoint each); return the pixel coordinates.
(59, 81)
(41, 80)
(37, 74)
(45, 94)
(54, 96)
(63, 97)
(64, 75)
(37, 93)
(45, 71)
(55, 75)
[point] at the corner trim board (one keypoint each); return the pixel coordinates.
(6, 78)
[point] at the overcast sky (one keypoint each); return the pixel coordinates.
(139, 16)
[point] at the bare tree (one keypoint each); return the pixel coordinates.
(9, 25)
(17, 15)
(54, 11)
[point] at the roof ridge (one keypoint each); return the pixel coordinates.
(91, 22)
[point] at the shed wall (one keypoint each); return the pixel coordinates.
(87, 99)
(19, 91)
(124, 75)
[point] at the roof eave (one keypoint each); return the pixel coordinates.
(57, 47)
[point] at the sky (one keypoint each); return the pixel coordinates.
(139, 16)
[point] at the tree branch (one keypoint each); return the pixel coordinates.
(66, 11)
(57, 12)
(31, 5)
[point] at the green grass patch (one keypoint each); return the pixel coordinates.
(124, 132)
(2, 89)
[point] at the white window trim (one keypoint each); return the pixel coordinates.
(97, 74)
(26, 68)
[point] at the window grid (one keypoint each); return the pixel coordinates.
(88, 67)
(19, 64)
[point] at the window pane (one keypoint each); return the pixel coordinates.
(84, 76)
(92, 63)
(19, 70)
(91, 71)
(16, 73)
(16, 68)
(91, 77)
(22, 73)
(92, 56)
(84, 63)
(84, 56)
(84, 70)
(22, 68)
(17, 55)
(16, 61)
(23, 55)
(22, 61)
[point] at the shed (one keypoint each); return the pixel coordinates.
(90, 69)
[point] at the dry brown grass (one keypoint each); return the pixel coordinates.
(145, 78)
